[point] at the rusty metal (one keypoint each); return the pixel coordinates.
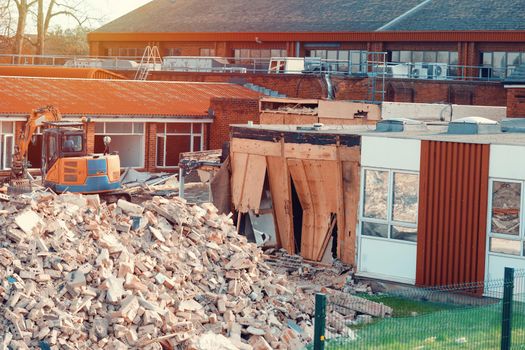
(452, 213)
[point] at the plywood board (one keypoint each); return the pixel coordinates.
(239, 163)
(253, 184)
(351, 193)
(279, 181)
(263, 148)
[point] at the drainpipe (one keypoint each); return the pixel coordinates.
(297, 49)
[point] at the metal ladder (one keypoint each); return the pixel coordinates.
(150, 59)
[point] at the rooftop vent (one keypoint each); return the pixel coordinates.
(473, 126)
(399, 125)
(515, 125)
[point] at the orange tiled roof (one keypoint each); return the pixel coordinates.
(19, 95)
(58, 72)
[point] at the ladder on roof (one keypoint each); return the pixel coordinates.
(376, 69)
(151, 60)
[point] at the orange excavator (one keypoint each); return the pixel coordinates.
(66, 164)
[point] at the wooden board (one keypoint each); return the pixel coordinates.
(253, 184)
(263, 148)
(279, 181)
(239, 163)
(351, 183)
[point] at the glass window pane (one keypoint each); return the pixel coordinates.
(442, 57)
(513, 59)
(196, 144)
(405, 197)
(99, 128)
(499, 60)
(376, 194)
(375, 230)
(119, 128)
(8, 151)
(429, 56)
(355, 60)
(506, 199)
(404, 233)
(405, 56)
(138, 128)
(276, 53)
(505, 246)
(395, 56)
(417, 56)
(7, 127)
(160, 151)
(175, 145)
(343, 55)
(454, 57)
(197, 127)
(487, 58)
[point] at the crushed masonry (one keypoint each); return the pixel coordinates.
(75, 274)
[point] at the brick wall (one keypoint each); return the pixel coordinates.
(516, 103)
(90, 137)
(351, 88)
(230, 111)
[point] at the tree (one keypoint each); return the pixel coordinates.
(67, 41)
(23, 7)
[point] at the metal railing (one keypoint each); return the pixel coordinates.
(485, 315)
(283, 65)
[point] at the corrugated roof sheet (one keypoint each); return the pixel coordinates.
(184, 16)
(58, 72)
(19, 95)
(260, 16)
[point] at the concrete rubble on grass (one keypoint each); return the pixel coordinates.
(79, 274)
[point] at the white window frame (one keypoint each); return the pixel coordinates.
(390, 196)
(4, 136)
(133, 133)
(165, 134)
(521, 234)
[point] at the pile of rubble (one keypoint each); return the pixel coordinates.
(79, 274)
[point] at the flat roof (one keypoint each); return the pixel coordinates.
(432, 132)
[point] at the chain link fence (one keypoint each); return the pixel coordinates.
(485, 315)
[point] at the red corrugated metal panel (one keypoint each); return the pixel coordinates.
(58, 72)
(19, 95)
(452, 213)
(435, 36)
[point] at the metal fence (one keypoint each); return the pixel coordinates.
(373, 64)
(488, 315)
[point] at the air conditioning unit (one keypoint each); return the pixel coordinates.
(437, 71)
(419, 71)
(422, 70)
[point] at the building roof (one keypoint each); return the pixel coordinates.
(208, 16)
(110, 98)
(58, 72)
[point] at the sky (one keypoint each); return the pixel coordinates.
(107, 10)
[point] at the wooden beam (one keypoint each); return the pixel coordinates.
(263, 148)
(351, 185)
(239, 164)
(253, 184)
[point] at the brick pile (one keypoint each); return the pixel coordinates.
(79, 274)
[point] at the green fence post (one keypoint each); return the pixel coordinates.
(506, 319)
(320, 321)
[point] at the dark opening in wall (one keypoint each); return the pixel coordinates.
(297, 211)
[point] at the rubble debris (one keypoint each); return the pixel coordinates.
(70, 280)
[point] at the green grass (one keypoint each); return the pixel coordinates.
(437, 326)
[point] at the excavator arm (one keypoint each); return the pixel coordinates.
(35, 119)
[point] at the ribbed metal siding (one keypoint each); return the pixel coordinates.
(452, 213)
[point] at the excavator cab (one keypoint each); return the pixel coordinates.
(62, 140)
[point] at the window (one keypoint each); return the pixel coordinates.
(6, 144)
(390, 204)
(506, 234)
(349, 61)
(173, 51)
(127, 138)
(449, 57)
(176, 138)
(500, 64)
(207, 52)
(130, 52)
(72, 143)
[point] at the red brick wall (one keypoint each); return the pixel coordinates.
(230, 111)
(349, 88)
(516, 103)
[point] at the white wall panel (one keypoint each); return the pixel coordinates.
(392, 153)
(507, 162)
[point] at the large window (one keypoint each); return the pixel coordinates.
(350, 61)
(127, 139)
(390, 202)
(449, 57)
(505, 230)
(500, 65)
(176, 138)
(7, 130)
(207, 52)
